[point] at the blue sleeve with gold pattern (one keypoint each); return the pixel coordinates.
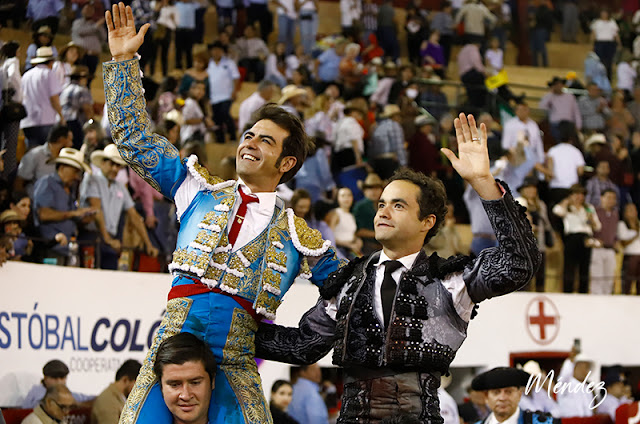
(150, 155)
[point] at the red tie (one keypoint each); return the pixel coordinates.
(239, 218)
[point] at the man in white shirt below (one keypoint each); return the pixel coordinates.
(263, 94)
(504, 387)
(575, 401)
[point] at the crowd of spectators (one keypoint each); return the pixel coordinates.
(71, 200)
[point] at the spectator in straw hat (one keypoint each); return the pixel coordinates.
(11, 228)
(41, 97)
(69, 55)
(41, 37)
(294, 100)
(111, 198)
(37, 162)
(424, 153)
(54, 204)
(387, 143)
(77, 103)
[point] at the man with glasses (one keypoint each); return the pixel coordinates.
(55, 406)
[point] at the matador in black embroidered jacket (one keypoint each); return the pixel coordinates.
(397, 317)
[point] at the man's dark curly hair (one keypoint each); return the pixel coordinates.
(432, 200)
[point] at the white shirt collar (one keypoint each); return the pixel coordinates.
(513, 419)
(267, 199)
(406, 261)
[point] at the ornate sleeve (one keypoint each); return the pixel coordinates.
(307, 344)
(511, 265)
(150, 155)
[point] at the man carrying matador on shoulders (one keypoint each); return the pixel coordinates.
(238, 249)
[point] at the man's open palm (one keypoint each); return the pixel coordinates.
(473, 157)
(124, 42)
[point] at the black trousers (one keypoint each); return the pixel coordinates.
(577, 257)
(257, 12)
(223, 119)
(184, 46)
(476, 92)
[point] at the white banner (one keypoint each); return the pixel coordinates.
(94, 320)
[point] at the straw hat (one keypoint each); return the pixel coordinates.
(43, 54)
(289, 92)
(426, 119)
(389, 111)
(45, 29)
(372, 180)
(110, 152)
(68, 46)
(596, 138)
(9, 216)
(72, 157)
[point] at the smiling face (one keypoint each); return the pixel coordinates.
(397, 224)
(257, 156)
(186, 390)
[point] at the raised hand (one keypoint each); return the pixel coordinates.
(124, 42)
(472, 162)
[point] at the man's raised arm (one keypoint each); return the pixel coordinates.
(152, 156)
(511, 265)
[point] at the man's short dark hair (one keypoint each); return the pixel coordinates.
(297, 144)
(608, 190)
(57, 132)
(181, 348)
(432, 200)
(130, 368)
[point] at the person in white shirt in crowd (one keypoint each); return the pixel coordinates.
(276, 65)
(348, 142)
(165, 28)
(626, 73)
(40, 84)
(521, 127)
(614, 382)
(580, 221)
(223, 76)
(475, 16)
(69, 55)
(573, 402)
(629, 236)
(565, 163)
(263, 94)
(350, 14)
(494, 56)
(605, 36)
(196, 123)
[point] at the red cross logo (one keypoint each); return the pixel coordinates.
(542, 320)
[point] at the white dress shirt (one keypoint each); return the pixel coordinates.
(454, 283)
(258, 214)
(448, 407)
(513, 419)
